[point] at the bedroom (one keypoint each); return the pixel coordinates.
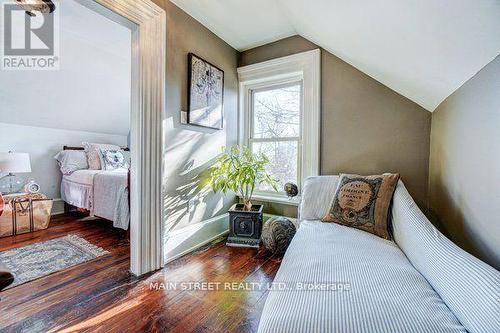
(66, 133)
(298, 166)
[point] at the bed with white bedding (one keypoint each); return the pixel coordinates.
(103, 193)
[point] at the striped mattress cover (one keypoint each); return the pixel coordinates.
(420, 282)
(377, 289)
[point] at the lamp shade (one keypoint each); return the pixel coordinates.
(15, 162)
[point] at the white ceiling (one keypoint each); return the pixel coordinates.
(243, 24)
(423, 49)
(91, 91)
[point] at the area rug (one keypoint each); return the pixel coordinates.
(40, 259)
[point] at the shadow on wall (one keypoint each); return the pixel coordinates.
(455, 227)
(452, 206)
(189, 199)
(193, 213)
(191, 191)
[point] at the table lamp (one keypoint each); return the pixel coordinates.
(11, 163)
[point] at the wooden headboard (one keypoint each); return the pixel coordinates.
(81, 148)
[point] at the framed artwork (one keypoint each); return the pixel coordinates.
(206, 93)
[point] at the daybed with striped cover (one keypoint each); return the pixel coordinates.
(420, 282)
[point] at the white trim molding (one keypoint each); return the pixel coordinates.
(148, 103)
(304, 67)
(276, 198)
(191, 238)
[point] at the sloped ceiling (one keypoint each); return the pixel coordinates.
(423, 49)
(92, 89)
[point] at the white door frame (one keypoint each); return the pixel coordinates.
(146, 136)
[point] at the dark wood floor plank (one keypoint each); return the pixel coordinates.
(102, 296)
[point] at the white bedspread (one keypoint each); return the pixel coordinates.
(77, 188)
(386, 293)
(103, 193)
(85, 177)
(111, 197)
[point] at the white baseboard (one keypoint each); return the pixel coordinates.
(196, 247)
(186, 240)
(183, 241)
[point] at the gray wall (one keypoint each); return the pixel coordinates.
(190, 150)
(464, 165)
(367, 128)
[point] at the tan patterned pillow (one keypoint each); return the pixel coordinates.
(93, 151)
(363, 202)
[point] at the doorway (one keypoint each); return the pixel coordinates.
(146, 136)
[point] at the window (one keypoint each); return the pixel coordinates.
(279, 116)
(275, 130)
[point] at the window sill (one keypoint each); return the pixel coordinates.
(277, 199)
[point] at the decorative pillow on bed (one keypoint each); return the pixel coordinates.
(112, 159)
(93, 151)
(71, 160)
(363, 202)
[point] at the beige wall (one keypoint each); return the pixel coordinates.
(281, 48)
(189, 150)
(465, 165)
(367, 128)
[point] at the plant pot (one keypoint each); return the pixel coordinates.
(245, 226)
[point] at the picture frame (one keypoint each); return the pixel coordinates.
(205, 93)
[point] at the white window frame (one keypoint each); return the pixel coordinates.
(306, 68)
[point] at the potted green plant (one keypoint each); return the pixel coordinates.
(241, 171)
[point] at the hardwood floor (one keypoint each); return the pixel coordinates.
(102, 295)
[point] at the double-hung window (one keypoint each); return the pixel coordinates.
(275, 130)
(279, 117)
